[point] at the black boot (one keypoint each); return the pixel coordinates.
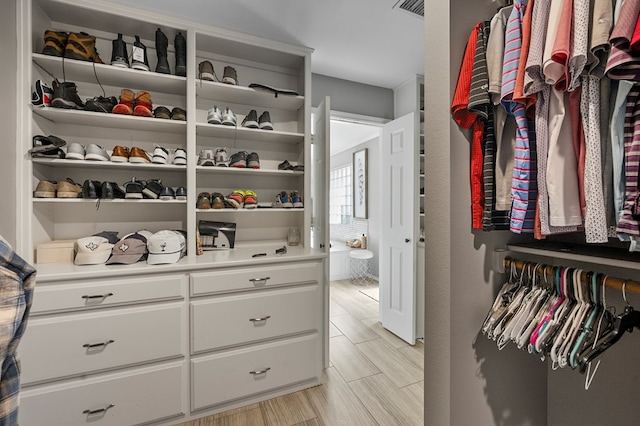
(119, 56)
(65, 95)
(161, 49)
(139, 59)
(181, 55)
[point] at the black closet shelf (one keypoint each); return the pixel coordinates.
(596, 254)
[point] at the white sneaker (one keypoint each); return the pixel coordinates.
(222, 157)
(180, 157)
(75, 151)
(96, 153)
(214, 116)
(206, 158)
(228, 118)
(160, 155)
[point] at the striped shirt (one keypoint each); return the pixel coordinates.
(523, 192)
(627, 224)
(17, 280)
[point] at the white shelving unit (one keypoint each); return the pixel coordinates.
(176, 303)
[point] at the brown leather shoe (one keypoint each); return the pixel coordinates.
(138, 155)
(120, 154)
(143, 106)
(69, 189)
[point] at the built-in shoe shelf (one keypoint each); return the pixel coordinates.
(231, 132)
(107, 200)
(255, 210)
(247, 171)
(108, 165)
(119, 121)
(221, 93)
(82, 71)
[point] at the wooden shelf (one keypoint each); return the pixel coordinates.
(108, 165)
(221, 92)
(230, 132)
(102, 200)
(83, 71)
(610, 256)
(117, 121)
(231, 171)
(243, 210)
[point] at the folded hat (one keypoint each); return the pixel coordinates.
(166, 247)
(92, 251)
(130, 249)
(111, 236)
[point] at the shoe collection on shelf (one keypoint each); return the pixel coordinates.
(91, 156)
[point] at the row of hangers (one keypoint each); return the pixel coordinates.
(559, 313)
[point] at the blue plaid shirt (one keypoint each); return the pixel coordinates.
(17, 280)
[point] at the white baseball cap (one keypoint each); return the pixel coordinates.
(92, 250)
(166, 247)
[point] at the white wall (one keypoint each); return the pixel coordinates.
(8, 121)
(468, 381)
(374, 213)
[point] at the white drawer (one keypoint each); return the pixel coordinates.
(230, 320)
(241, 373)
(57, 347)
(244, 278)
(108, 292)
(134, 397)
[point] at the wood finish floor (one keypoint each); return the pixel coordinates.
(374, 378)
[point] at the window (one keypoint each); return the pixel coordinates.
(340, 195)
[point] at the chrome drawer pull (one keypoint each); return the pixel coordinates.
(100, 410)
(259, 281)
(96, 345)
(97, 296)
(260, 319)
(255, 373)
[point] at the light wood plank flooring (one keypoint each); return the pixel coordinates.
(375, 378)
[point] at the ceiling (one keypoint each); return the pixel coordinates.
(366, 41)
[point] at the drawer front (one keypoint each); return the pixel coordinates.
(133, 397)
(75, 344)
(253, 277)
(92, 293)
(241, 373)
(231, 320)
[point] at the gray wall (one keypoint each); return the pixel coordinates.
(467, 379)
(352, 97)
(8, 120)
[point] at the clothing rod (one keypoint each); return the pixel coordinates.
(630, 286)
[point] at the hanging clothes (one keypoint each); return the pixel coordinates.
(17, 281)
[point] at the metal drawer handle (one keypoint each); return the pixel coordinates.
(100, 410)
(96, 345)
(260, 319)
(259, 281)
(97, 296)
(255, 373)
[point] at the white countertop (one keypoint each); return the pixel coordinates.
(240, 255)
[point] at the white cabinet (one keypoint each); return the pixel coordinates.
(141, 344)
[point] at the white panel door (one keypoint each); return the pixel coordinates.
(320, 204)
(397, 247)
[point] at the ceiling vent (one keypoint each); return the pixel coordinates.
(414, 7)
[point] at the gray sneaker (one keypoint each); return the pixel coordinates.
(75, 151)
(96, 153)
